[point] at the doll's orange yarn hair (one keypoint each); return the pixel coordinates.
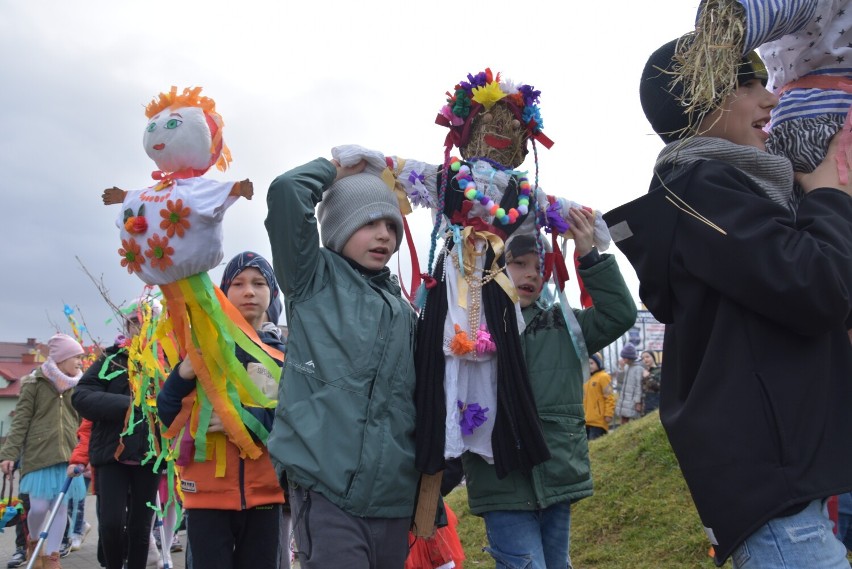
(191, 97)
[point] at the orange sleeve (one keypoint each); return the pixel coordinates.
(80, 454)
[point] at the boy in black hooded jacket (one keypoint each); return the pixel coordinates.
(756, 390)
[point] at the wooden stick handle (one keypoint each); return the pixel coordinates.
(427, 504)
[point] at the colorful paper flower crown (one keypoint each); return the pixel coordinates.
(485, 89)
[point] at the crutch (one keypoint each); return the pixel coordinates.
(42, 536)
(165, 546)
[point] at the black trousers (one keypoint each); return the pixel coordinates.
(124, 518)
(235, 539)
(21, 533)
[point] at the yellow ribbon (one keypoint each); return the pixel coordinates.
(164, 335)
(391, 178)
(216, 446)
(468, 251)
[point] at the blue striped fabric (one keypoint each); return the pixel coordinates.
(769, 20)
(813, 103)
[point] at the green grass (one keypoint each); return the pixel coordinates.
(641, 516)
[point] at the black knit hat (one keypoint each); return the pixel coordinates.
(661, 96)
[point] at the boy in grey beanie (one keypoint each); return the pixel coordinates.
(343, 436)
(351, 203)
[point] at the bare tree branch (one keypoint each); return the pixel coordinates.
(104, 292)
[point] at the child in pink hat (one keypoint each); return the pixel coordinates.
(43, 434)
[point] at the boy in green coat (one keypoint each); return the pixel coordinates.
(344, 427)
(528, 513)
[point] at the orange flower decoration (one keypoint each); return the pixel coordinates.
(160, 253)
(131, 255)
(175, 218)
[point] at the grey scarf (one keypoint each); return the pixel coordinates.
(772, 174)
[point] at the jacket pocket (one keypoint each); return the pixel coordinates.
(334, 344)
(569, 450)
(773, 424)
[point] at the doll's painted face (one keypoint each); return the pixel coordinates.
(177, 139)
(497, 134)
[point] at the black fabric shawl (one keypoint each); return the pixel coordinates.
(517, 439)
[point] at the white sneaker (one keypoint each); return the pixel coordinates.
(76, 541)
(154, 559)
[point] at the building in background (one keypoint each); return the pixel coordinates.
(17, 359)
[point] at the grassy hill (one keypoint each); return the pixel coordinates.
(641, 516)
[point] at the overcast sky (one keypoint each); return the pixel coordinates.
(291, 80)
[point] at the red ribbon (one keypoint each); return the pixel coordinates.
(479, 224)
(179, 175)
(415, 265)
(554, 263)
(543, 139)
(585, 297)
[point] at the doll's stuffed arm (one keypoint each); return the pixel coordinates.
(113, 195)
(419, 180)
(556, 211)
(351, 154)
(243, 189)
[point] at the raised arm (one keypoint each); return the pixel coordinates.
(795, 273)
(291, 222)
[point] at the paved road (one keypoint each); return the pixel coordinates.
(87, 556)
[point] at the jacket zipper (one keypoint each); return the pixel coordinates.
(62, 422)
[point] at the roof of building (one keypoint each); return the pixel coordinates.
(12, 372)
(14, 351)
(18, 359)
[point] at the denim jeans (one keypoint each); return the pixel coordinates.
(536, 539)
(803, 541)
(844, 519)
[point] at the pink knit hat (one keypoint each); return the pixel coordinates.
(62, 347)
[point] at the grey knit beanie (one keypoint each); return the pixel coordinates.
(352, 202)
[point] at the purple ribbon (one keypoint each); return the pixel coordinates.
(555, 221)
(473, 416)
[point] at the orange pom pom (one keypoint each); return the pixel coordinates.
(461, 343)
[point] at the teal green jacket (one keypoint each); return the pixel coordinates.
(556, 377)
(344, 425)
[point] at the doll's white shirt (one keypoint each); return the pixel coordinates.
(201, 247)
(469, 378)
